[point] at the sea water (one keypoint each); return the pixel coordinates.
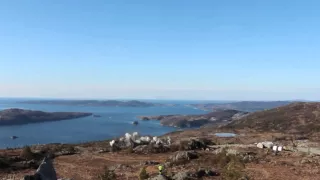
(114, 122)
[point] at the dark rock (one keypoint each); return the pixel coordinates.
(200, 173)
(145, 118)
(212, 173)
(32, 177)
(14, 137)
(135, 122)
(205, 172)
(197, 144)
(151, 163)
(45, 171)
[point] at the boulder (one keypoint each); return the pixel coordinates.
(267, 144)
(159, 141)
(196, 144)
(260, 145)
(182, 176)
(200, 173)
(112, 143)
(159, 177)
(212, 173)
(145, 139)
(127, 136)
(205, 172)
(169, 140)
(141, 149)
(155, 139)
(135, 136)
(182, 156)
(45, 171)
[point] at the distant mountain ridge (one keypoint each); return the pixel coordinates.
(132, 103)
(248, 106)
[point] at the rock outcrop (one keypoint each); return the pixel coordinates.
(182, 156)
(20, 116)
(140, 144)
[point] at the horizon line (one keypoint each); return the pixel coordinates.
(157, 99)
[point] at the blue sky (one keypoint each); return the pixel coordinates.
(182, 49)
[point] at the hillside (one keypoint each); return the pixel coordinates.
(21, 116)
(292, 118)
(249, 106)
(183, 121)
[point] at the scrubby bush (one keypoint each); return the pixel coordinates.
(130, 150)
(143, 174)
(231, 166)
(107, 175)
(4, 163)
(26, 153)
(71, 149)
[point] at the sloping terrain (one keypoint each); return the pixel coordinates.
(217, 117)
(228, 160)
(293, 118)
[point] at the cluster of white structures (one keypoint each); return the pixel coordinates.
(128, 139)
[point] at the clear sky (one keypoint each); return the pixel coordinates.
(169, 49)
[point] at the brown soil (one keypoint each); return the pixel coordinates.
(89, 163)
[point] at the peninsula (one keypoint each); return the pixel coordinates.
(192, 121)
(21, 116)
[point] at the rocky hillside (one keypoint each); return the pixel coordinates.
(184, 121)
(20, 116)
(292, 118)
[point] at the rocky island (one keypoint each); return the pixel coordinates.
(21, 116)
(107, 103)
(189, 121)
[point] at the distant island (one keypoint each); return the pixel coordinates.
(249, 106)
(109, 103)
(193, 121)
(21, 116)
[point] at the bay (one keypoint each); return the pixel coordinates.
(114, 122)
